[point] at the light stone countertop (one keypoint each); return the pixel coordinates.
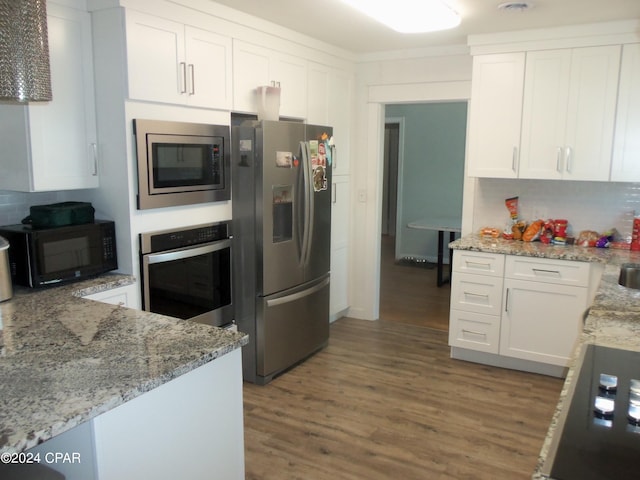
(614, 317)
(65, 359)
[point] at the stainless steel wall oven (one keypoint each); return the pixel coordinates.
(186, 273)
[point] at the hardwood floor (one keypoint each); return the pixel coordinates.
(409, 294)
(385, 401)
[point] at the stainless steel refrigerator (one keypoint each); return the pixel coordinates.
(281, 201)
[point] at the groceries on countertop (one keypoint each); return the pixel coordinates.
(557, 232)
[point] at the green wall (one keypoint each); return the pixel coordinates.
(431, 171)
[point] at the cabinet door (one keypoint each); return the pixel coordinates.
(208, 57)
(626, 149)
(593, 93)
(541, 322)
(495, 115)
(155, 59)
(53, 145)
(568, 114)
(63, 132)
(340, 113)
(318, 80)
(126, 296)
(291, 73)
(474, 331)
(339, 299)
(477, 293)
(544, 117)
(250, 70)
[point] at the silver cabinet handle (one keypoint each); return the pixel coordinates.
(94, 149)
(193, 81)
(334, 157)
(334, 193)
(546, 272)
(473, 332)
(569, 159)
(471, 294)
(558, 160)
(485, 266)
(514, 159)
(506, 301)
(183, 74)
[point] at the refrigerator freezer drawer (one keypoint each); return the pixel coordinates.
(291, 325)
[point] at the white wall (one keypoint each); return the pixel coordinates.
(410, 77)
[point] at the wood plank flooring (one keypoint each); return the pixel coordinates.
(384, 401)
(409, 294)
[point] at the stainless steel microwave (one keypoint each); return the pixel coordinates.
(181, 163)
(52, 256)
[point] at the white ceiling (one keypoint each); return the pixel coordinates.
(336, 23)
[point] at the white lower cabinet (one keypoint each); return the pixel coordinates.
(524, 313)
(190, 427)
(476, 298)
(126, 296)
(541, 321)
(339, 296)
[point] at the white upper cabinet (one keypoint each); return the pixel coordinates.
(52, 145)
(625, 166)
(255, 66)
(340, 118)
(495, 115)
(318, 93)
(170, 62)
(568, 114)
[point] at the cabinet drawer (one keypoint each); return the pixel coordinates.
(474, 331)
(465, 261)
(562, 272)
(476, 293)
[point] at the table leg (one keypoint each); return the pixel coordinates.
(452, 236)
(440, 281)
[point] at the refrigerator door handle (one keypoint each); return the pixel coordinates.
(306, 175)
(298, 295)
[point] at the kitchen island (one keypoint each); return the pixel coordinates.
(613, 319)
(75, 370)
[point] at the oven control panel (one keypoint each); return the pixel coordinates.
(184, 237)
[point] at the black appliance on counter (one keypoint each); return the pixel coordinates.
(598, 435)
(50, 256)
(186, 273)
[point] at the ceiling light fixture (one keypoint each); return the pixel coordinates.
(515, 6)
(409, 16)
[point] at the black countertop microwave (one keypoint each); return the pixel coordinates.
(52, 256)
(181, 163)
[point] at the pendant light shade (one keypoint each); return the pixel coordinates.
(25, 74)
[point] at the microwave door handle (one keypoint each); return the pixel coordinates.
(187, 253)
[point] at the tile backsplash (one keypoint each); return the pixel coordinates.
(14, 206)
(595, 206)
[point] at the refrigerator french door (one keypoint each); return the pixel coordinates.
(281, 174)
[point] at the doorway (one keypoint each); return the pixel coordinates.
(423, 176)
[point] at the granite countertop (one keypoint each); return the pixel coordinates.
(614, 316)
(66, 359)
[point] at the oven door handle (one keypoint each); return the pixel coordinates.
(188, 252)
